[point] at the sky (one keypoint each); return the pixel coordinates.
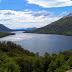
(17, 14)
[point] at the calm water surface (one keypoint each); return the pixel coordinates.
(41, 43)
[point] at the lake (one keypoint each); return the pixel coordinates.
(41, 43)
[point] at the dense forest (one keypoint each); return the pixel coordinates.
(63, 27)
(13, 58)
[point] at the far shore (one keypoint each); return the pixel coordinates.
(3, 34)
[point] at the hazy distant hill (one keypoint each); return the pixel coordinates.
(4, 28)
(25, 29)
(62, 26)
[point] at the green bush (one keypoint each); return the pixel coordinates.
(13, 58)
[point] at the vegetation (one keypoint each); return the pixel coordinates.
(4, 31)
(62, 27)
(3, 34)
(13, 58)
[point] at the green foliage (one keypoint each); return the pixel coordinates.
(3, 34)
(13, 58)
(9, 67)
(62, 26)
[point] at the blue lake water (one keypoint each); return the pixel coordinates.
(41, 43)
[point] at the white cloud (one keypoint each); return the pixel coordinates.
(51, 3)
(24, 19)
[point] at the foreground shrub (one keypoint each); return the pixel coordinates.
(13, 58)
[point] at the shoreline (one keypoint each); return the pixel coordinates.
(4, 34)
(48, 33)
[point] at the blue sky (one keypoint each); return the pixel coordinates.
(32, 13)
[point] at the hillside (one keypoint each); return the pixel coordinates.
(62, 26)
(13, 58)
(4, 28)
(3, 34)
(4, 31)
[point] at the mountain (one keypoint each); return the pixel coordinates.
(4, 31)
(4, 28)
(62, 26)
(25, 29)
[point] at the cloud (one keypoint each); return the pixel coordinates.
(51, 3)
(27, 18)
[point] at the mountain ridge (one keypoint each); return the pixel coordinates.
(62, 26)
(4, 28)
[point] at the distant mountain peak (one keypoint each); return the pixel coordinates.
(4, 28)
(69, 15)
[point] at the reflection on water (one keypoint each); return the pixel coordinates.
(41, 42)
(17, 37)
